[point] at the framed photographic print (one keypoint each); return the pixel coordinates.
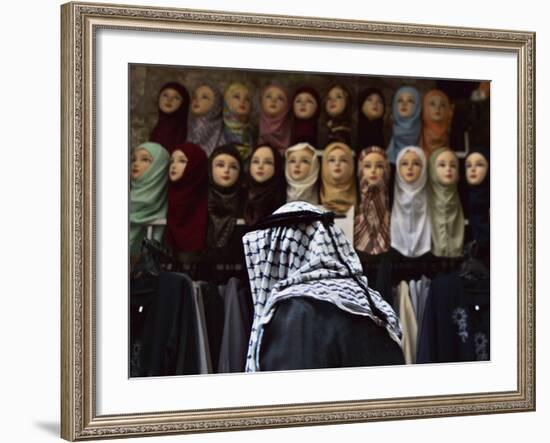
(281, 221)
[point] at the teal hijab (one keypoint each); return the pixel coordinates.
(148, 196)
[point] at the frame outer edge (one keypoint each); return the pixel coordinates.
(78, 421)
(67, 222)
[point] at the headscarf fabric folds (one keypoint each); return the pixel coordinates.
(207, 130)
(237, 128)
(435, 134)
(188, 202)
(223, 202)
(410, 221)
(276, 131)
(445, 213)
(339, 126)
(370, 132)
(406, 130)
(171, 129)
(479, 199)
(148, 195)
(301, 261)
(305, 130)
(372, 220)
(264, 198)
(305, 189)
(338, 195)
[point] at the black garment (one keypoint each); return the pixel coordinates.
(170, 333)
(214, 313)
(456, 323)
(305, 333)
(237, 325)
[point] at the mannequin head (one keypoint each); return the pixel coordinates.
(446, 167)
(262, 164)
(178, 163)
(304, 105)
(299, 163)
(141, 161)
(437, 107)
(373, 168)
(169, 100)
(225, 170)
(237, 99)
(336, 101)
(274, 101)
(410, 166)
(339, 166)
(373, 106)
(203, 100)
(476, 168)
(406, 104)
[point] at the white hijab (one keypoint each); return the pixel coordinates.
(410, 222)
(305, 189)
(301, 261)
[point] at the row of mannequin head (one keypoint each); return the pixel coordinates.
(286, 119)
(426, 210)
(302, 162)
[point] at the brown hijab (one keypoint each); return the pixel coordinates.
(435, 134)
(338, 194)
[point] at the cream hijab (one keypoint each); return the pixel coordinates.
(410, 221)
(305, 189)
(446, 214)
(338, 195)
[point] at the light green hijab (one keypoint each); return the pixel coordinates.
(446, 214)
(148, 196)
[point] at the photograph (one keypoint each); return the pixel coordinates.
(401, 164)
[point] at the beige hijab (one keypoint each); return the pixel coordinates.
(338, 195)
(445, 213)
(305, 189)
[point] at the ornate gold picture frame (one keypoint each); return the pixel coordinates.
(81, 393)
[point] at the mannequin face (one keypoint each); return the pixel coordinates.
(178, 163)
(141, 161)
(239, 102)
(476, 168)
(203, 100)
(304, 105)
(438, 108)
(225, 170)
(170, 100)
(410, 167)
(406, 104)
(336, 101)
(299, 163)
(373, 168)
(339, 166)
(373, 107)
(274, 101)
(262, 165)
(446, 167)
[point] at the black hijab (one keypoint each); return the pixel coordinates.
(264, 198)
(370, 132)
(223, 202)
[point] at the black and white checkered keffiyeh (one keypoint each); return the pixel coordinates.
(301, 261)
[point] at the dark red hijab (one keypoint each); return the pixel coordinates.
(188, 202)
(305, 129)
(171, 129)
